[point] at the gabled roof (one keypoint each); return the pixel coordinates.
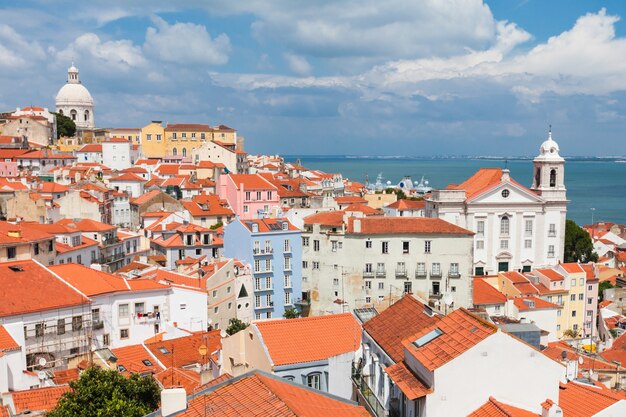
(309, 339)
(15, 234)
(555, 351)
(91, 147)
(132, 358)
(326, 218)
(362, 208)
(269, 225)
(90, 282)
(525, 303)
(257, 394)
(251, 182)
(572, 267)
(28, 286)
(405, 225)
(402, 319)
(38, 399)
(405, 205)
(146, 197)
(456, 333)
(178, 378)
(128, 176)
(494, 408)
(207, 205)
(410, 385)
(87, 225)
(485, 293)
(7, 343)
(183, 351)
(350, 199)
(551, 274)
(481, 181)
(583, 400)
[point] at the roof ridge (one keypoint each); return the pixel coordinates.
(498, 405)
(301, 319)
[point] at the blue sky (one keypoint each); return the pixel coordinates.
(461, 77)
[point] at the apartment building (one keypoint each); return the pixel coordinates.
(372, 261)
(250, 195)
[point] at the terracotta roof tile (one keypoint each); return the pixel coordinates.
(265, 225)
(90, 282)
(485, 293)
(146, 197)
(405, 225)
(91, 147)
(21, 233)
(551, 274)
(251, 182)
(362, 208)
(7, 343)
(178, 378)
(555, 351)
(572, 267)
(87, 225)
(402, 319)
(582, 400)
(260, 395)
(405, 205)
(458, 332)
(184, 350)
(482, 180)
(28, 287)
(128, 176)
(533, 303)
(326, 218)
(350, 199)
(131, 359)
(493, 408)
(207, 205)
(65, 376)
(39, 399)
(412, 387)
(309, 339)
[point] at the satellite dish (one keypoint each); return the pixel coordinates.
(202, 350)
(42, 361)
(447, 299)
(41, 375)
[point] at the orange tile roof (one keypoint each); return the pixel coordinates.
(51, 187)
(362, 208)
(251, 182)
(24, 234)
(38, 399)
(128, 176)
(132, 357)
(493, 408)
(572, 267)
(7, 343)
(34, 288)
(412, 387)
(481, 181)
(350, 199)
(4, 411)
(405, 205)
(406, 225)
(207, 205)
(188, 127)
(309, 339)
(178, 378)
(168, 169)
(539, 304)
(91, 147)
(551, 274)
(326, 218)
(402, 319)
(460, 330)
(515, 277)
(85, 243)
(65, 376)
(87, 225)
(555, 351)
(184, 350)
(485, 293)
(90, 282)
(146, 197)
(582, 400)
(265, 224)
(259, 395)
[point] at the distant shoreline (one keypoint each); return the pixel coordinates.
(457, 157)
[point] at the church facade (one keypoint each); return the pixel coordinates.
(516, 228)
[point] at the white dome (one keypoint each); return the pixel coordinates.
(74, 94)
(549, 149)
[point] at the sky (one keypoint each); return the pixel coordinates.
(335, 77)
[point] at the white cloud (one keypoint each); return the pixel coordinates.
(119, 53)
(298, 64)
(186, 43)
(15, 51)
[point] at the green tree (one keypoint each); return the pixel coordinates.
(291, 313)
(604, 285)
(65, 126)
(99, 392)
(235, 325)
(578, 245)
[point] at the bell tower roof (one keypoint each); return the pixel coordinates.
(72, 75)
(549, 149)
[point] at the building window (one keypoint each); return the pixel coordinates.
(139, 308)
(581, 297)
(408, 287)
(77, 323)
(573, 313)
(454, 269)
(268, 300)
(480, 227)
(268, 283)
(305, 241)
(258, 195)
(122, 310)
(286, 246)
(368, 244)
(245, 208)
(582, 282)
(572, 297)
(528, 244)
(11, 252)
(257, 284)
(504, 244)
(158, 137)
(551, 255)
(480, 244)
(368, 300)
(257, 301)
(558, 313)
(368, 285)
(385, 247)
(504, 225)
(123, 333)
(268, 265)
(316, 265)
(427, 246)
(381, 285)
(436, 269)
(316, 245)
(313, 381)
(287, 281)
(60, 326)
(405, 247)
(553, 178)
(287, 263)
(287, 298)
(421, 269)
(305, 264)
(589, 300)
(552, 230)
(528, 227)
(333, 244)
(257, 265)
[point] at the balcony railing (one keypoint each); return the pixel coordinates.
(262, 251)
(401, 273)
(454, 274)
(433, 294)
(97, 325)
(111, 258)
(375, 407)
(381, 274)
(551, 233)
(368, 273)
(420, 274)
(435, 274)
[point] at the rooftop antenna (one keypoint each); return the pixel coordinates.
(506, 163)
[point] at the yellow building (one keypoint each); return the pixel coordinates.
(181, 139)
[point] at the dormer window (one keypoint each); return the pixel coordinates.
(285, 226)
(255, 228)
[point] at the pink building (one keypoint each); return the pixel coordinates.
(8, 169)
(250, 195)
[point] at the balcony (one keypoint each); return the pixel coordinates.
(367, 397)
(435, 274)
(552, 233)
(381, 274)
(111, 258)
(368, 274)
(260, 252)
(401, 273)
(420, 274)
(454, 274)
(437, 295)
(97, 325)
(147, 318)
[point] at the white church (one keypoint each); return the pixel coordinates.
(517, 228)
(74, 101)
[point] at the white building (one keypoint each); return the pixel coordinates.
(234, 160)
(117, 153)
(91, 152)
(516, 228)
(351, 262)
(129, 183)
(74, 101)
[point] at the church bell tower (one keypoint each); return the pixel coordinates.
(549, 171)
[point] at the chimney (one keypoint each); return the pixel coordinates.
(505, 175)
(163, 226)
(356, 225)
(173, 401)
(552, 410)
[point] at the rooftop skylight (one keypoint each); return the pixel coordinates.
(428, 337)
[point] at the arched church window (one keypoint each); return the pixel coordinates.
(553, 178)
(86, 115)
(504, 225)
(73, 114)
(174, 151)
(184, 151)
